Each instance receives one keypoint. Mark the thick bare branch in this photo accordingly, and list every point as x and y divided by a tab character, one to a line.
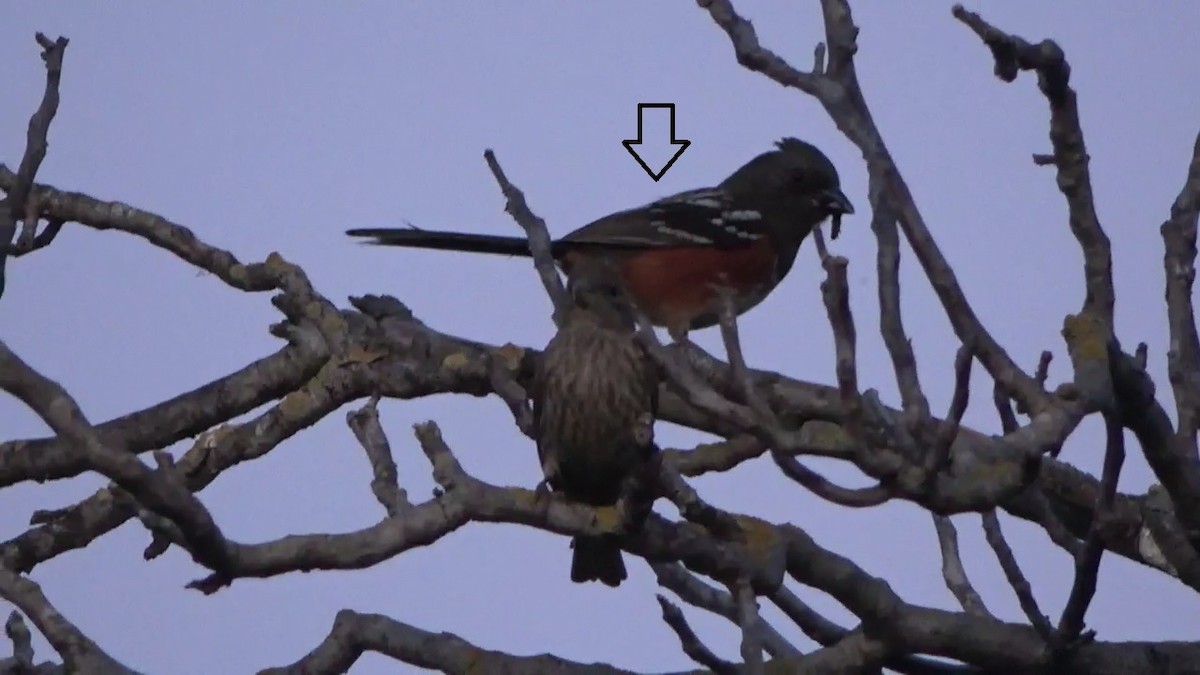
354	633
80	654
1179	261
154	490
1172	458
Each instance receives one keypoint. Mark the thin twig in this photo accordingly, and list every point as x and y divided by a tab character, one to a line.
510	391
691	506
1016	578
817	484
699	594
891	322
836	293
690	642
1013	54
748	619
953	572
25	246
14	205
727	319
535	230
39	125
939	455
1087	563
364	423
22	641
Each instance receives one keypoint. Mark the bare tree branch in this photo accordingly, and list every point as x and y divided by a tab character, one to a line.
80	654
699	594
152	489
354	633
953	572
1016	578
939	456
336	357
749	620
22	639
1179	261
1012	55
691	643
838	91
15	204
364	422
1087	563
819	485
891	323
535	230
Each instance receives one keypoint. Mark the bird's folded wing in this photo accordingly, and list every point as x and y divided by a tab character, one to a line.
700	218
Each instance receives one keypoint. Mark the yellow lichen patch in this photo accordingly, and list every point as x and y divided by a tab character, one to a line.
826	435
608	519
510	355
759	536
1086	336
295	404
332	322
475	661
275	262
363	356
455	361
525	498
238	273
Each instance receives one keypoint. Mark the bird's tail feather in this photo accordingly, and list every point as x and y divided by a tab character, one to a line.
442	240
597	559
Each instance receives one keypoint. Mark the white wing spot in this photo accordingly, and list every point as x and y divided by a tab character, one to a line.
744	214
740	233
681	234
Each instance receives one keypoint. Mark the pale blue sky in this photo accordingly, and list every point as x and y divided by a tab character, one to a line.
274	126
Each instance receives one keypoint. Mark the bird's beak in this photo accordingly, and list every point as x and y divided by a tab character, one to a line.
835	202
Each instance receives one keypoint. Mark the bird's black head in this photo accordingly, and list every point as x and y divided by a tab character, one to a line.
795	178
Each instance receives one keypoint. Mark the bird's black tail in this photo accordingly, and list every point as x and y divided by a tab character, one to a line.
597	559
443	241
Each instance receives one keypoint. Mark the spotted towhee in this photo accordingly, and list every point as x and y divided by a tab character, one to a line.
673	253
595	395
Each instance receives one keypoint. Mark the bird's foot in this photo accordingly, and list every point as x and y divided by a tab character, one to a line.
678	334
541	492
